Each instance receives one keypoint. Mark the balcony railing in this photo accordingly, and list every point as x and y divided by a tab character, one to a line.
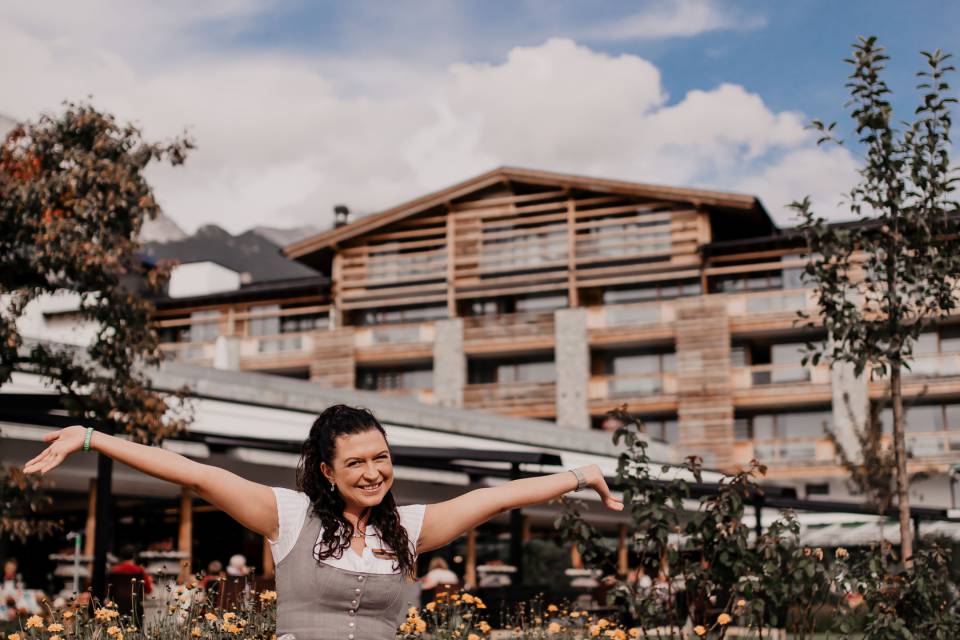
192	352
771	302
935	365
408	334
786	451
762	375
632	385
627	315
509	396
508	327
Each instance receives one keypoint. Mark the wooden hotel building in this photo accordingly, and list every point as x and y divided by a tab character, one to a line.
560	297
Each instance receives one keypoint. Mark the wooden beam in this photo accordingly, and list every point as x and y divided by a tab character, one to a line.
336	311
470	567
623	565
90	530
451	263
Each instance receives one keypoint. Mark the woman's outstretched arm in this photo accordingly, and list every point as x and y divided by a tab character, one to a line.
251	504
444	521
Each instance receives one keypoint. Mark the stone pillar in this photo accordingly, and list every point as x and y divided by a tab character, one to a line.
449	363
850	406
572	357
226	353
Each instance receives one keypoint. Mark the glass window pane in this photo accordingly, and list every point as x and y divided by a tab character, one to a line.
926	343
953	416
789	353
925	418
950	339
741	429
636	364
671	431
668	362
763	427
738	356
808	424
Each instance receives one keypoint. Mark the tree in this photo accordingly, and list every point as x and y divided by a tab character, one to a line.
72	201
882	281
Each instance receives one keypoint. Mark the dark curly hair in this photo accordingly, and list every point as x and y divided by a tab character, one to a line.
327	505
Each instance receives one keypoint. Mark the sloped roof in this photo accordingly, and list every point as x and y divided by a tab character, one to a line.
697	197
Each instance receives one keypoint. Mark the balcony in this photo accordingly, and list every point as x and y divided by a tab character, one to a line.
530	399
636	322
759	384
397	342
787	452
642	392
527	331
931	374
768	310
199	353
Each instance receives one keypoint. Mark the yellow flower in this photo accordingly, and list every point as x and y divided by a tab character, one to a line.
405	628
113	630
468	598
723	618
268	596
13	636
842	553
553	627
105	614
700	630
594	630
210	616
473	636
480	604
54	637
421	626
455	597
441	595
431	606
603	623
55	626
574	614
195	632
412	611
67	614
229	615
635	632
741	603
484	626
552	607
34	622
229	627
616	634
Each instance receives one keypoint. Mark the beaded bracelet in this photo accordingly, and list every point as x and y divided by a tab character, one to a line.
86	439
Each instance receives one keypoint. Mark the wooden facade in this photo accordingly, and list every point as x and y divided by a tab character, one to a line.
690	301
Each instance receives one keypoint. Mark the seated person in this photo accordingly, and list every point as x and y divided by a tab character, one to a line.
439	573
127	567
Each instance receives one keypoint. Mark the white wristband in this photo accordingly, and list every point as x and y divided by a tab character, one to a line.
581	481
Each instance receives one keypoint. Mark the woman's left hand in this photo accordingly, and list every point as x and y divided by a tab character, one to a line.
597	482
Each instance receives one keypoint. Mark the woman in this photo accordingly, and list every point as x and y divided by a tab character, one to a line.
341	546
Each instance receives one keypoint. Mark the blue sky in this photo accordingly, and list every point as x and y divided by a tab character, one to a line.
296	105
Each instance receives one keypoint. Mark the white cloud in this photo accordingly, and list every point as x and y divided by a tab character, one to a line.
283	136
676	18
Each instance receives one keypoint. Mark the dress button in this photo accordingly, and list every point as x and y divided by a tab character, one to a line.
352	612
357	590
351	624
350	637
359	578
353	602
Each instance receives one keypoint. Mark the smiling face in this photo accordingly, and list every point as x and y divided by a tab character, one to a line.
362	469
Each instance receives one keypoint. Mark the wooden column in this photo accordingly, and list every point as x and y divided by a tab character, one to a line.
91	529
527	534
185	537
267	562
623	566
573	298
336	309
451	263
470	570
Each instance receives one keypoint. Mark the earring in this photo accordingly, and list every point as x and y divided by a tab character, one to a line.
333	485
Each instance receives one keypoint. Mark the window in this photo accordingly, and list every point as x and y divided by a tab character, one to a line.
204	326
657	291
371	317
782	425
818	489
267	325
394	378
505	372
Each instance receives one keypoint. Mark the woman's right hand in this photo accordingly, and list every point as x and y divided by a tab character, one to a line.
61	444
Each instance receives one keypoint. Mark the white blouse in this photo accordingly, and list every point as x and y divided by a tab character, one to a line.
292	510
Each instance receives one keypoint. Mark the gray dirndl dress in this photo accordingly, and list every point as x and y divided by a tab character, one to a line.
316	601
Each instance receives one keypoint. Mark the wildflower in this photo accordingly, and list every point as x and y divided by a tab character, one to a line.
484	626
723	619
553	627
34	622
594	630
212	617
741	603
473	636
195	632
105	614
55	626
818	552
412	612
842	553
113	630
405	628
421	625
700	630
441	595
67	614
468	598
574	614
13	636
431	606
616	634
455	597
54	637
635	632
229	615
480	604
268	596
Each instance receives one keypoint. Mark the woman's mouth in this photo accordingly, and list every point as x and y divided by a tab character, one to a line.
371	488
